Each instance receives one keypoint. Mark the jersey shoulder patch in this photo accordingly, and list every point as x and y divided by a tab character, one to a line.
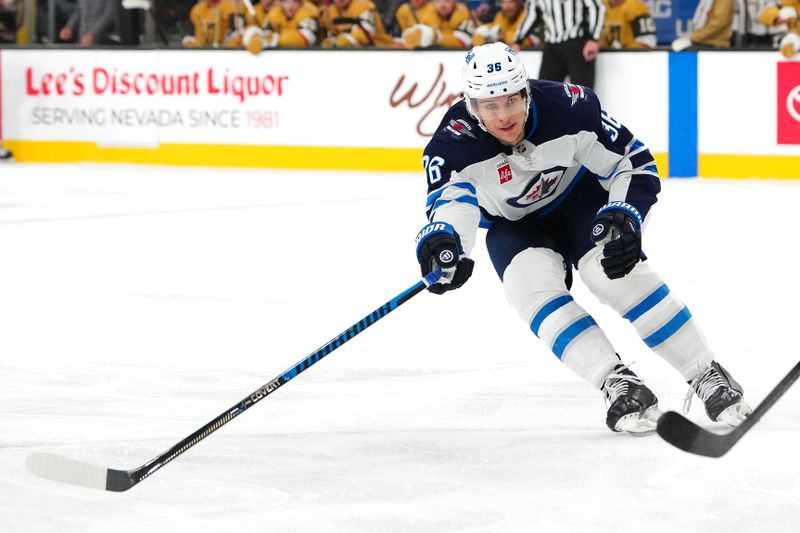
562	109
460	141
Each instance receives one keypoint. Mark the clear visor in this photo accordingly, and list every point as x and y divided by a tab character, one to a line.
500	106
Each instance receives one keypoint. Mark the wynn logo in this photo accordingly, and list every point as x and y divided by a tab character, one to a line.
437	98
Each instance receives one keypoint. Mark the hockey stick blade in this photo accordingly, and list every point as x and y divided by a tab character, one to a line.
689	437
65	470
58	468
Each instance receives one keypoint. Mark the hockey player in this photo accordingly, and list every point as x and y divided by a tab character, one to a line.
505	25
294	23
354	23
444	23
560	185
216	23
628	24
786	14
259	15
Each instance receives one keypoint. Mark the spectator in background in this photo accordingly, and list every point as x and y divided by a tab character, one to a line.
445	23
292	23
259	18
748	30
505	25
91	23
63	11
354	23
407	15
785	15
712	24
628	24
8	22
216	23
571	38
486	11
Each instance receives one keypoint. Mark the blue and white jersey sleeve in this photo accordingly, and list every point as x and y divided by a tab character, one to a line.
452	196
623	164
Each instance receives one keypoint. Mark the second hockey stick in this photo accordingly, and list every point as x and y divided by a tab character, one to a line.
689	437
58	468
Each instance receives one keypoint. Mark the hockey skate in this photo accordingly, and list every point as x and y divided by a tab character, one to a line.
633	407
720	393
5	154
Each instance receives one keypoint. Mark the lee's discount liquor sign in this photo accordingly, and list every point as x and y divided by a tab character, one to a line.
788	103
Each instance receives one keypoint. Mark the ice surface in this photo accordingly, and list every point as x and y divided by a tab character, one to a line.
137	303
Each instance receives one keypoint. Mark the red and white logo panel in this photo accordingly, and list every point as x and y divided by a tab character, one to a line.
788	103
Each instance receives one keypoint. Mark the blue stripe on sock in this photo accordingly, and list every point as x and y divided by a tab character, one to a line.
548	309
569	334
669	329
648	303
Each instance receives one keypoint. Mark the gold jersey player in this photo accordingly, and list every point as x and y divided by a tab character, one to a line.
442	23
354	23
628	24
216	23
291	23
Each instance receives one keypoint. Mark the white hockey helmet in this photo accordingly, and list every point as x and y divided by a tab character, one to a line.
492	70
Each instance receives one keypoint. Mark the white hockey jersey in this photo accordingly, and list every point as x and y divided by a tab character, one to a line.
474	179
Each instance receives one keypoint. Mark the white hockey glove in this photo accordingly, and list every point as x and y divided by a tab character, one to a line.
787	13
421	36
790	45
489	32
681	43
255	39
439	246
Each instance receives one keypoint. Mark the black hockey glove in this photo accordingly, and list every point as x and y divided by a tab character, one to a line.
620	225
439	246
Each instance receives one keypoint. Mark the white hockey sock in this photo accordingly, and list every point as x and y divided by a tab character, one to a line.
534	286
660	318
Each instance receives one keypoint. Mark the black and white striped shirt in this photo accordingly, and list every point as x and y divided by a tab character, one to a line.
564	19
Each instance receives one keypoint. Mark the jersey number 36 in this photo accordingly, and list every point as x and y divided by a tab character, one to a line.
433	168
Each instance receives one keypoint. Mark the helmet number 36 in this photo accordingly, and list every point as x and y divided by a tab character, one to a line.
494	67
433	168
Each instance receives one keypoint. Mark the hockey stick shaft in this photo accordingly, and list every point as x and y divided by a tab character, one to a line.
70	471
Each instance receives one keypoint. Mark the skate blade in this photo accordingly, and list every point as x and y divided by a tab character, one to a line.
735	414
642	425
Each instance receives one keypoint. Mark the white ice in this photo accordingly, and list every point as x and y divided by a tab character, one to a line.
138	303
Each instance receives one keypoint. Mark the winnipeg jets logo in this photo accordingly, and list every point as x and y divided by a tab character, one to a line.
539	187
460	127
575	92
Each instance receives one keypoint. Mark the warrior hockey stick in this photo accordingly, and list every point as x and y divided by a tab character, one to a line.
66	470
689	437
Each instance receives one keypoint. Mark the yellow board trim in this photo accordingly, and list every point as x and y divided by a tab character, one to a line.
782	167
216	155
342	158
662	162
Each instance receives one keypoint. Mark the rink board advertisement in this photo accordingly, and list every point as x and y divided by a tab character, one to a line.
367	110
746	105
287	109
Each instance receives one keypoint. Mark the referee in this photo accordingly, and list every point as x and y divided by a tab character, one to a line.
572	29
